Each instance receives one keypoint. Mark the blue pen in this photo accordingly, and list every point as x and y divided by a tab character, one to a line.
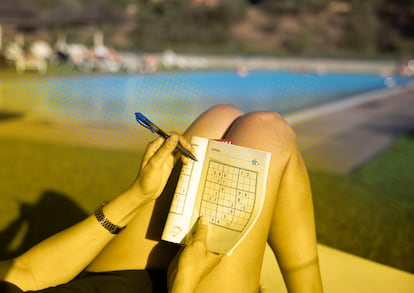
141	119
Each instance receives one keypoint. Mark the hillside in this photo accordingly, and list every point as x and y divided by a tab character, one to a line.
371	28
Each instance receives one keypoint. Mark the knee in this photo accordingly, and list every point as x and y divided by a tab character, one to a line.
265	116
225	110
263	130
271	121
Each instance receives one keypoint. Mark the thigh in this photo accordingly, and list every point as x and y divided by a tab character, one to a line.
240	272
137	281
139	246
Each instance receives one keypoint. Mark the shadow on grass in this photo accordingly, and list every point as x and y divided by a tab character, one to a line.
6	115
51	214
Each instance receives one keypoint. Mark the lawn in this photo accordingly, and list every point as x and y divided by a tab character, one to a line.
371	211
9	72
47	187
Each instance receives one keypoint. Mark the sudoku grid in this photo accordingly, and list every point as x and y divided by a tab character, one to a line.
177	204
229	195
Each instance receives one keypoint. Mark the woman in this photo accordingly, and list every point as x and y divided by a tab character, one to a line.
286	221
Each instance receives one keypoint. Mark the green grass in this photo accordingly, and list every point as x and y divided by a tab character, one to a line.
9	71
46	187
370	212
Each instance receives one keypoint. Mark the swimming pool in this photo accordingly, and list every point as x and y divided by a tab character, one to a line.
184	95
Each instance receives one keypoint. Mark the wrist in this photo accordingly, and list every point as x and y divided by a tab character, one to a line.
135	197
122	208
105	222
138	195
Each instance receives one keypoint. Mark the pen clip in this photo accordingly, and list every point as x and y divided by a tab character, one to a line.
141	119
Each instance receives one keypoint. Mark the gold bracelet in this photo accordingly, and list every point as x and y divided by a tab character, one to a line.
108	225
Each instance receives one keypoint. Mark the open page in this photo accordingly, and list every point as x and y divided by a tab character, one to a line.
229	193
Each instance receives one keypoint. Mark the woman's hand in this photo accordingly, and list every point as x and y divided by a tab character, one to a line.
157	164
194	263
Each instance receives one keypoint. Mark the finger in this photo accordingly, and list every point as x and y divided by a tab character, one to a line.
185	143
187	146
184	159
152	148
202	230
165	150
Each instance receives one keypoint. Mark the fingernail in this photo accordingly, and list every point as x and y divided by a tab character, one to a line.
173	139
203	220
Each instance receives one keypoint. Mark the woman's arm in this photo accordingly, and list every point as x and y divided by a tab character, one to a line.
61	257
292	233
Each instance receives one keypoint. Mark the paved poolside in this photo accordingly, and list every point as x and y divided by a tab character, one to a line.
342	136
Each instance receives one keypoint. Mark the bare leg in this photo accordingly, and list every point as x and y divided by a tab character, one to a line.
138	246
286	220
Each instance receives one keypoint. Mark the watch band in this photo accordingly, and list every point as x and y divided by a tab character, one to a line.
108	225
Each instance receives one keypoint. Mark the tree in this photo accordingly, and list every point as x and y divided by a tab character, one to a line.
179	23
361	31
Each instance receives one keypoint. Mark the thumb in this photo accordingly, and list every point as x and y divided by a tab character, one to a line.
201	230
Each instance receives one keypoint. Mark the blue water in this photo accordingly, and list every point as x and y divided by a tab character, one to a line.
185	95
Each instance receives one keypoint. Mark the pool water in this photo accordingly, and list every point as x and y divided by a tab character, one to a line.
184	95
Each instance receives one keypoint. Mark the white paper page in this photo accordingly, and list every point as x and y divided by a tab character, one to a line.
179	218
231	193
